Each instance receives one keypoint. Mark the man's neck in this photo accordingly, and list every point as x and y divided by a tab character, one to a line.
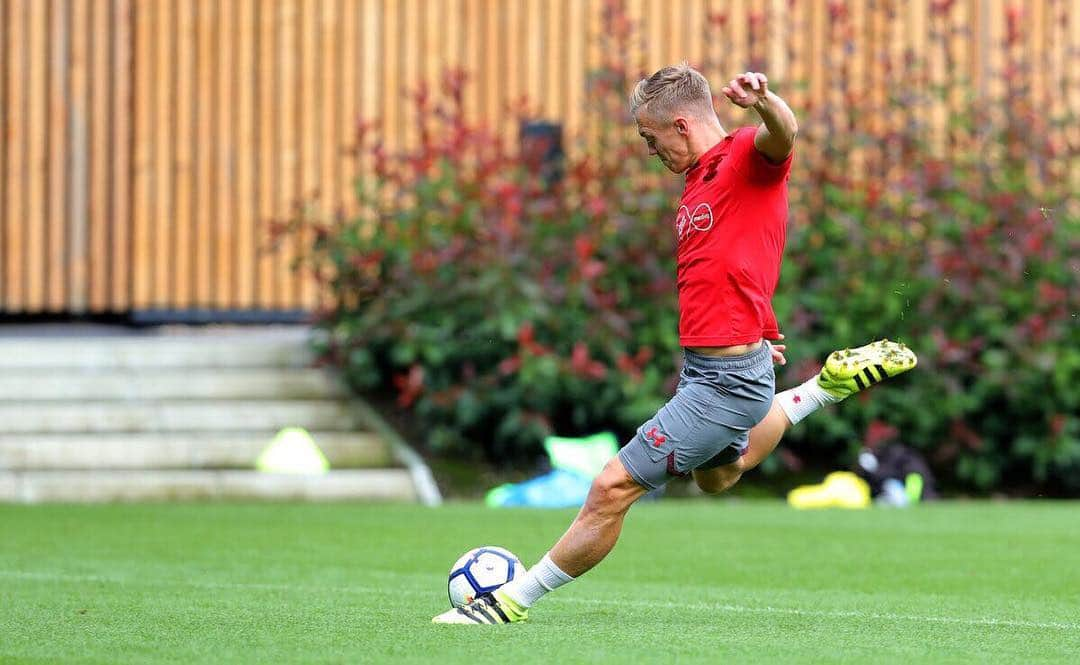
709	137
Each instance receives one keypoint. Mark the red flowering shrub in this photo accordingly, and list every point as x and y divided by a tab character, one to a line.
970	254
499	310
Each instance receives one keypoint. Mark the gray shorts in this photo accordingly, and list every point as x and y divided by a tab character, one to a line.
707	423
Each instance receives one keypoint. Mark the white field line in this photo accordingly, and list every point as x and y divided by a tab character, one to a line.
708	607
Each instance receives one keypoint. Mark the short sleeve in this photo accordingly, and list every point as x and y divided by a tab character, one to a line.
755	166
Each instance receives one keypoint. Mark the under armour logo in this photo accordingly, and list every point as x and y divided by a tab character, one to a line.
657	438
796	399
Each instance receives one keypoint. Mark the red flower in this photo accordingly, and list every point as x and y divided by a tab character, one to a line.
878	432
510	365
584	248
409	385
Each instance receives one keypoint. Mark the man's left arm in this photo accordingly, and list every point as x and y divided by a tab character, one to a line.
775	138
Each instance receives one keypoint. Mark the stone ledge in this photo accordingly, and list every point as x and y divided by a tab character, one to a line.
140	352
168	383
208	450
176	416
106	486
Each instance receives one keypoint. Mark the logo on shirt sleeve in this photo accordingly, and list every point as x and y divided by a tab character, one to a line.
701	220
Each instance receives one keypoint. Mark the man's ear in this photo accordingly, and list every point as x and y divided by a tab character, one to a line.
682	126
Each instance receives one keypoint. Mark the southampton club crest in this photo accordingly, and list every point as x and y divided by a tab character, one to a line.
687	222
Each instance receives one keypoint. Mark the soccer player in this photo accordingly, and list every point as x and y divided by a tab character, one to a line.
724	418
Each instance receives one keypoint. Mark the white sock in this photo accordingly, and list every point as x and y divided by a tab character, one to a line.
543	577
803	400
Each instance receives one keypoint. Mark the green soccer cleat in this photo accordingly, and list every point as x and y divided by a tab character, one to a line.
851	370
485	609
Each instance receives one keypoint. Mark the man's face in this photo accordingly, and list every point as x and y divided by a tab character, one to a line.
666	140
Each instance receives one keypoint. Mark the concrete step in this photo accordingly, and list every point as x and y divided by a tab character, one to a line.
96	486
168	383
206	450
154	352
186	416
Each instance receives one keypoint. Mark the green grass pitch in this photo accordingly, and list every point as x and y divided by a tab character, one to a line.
690	582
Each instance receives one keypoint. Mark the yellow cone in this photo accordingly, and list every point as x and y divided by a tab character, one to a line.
841	489
292	451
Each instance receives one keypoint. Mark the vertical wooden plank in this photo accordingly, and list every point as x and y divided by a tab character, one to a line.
1035	48
16	17
330	94
143	208
994	32
310	94
57	211
818	44
1059	80
224	221
695	36
975	47
531	50
554	86
5	26
78	163
432	32
653	30
288	120
452	29
1073	49
594	58
360	43
739	34
798	57
489	79
472	40
332	149
38	167
412	52
247	157
857	84
188	103
391	71
164	216
269	149
934	53
101	35
632	59
674	27
205	203
778	29
563	38
575	74
123	74
878	53
958	75
512	84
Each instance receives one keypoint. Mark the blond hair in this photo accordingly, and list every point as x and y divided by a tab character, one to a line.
673	89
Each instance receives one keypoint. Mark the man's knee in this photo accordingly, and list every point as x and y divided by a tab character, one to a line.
614	490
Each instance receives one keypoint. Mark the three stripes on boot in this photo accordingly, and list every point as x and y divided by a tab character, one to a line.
882	375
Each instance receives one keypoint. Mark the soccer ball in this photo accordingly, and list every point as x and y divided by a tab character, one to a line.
481	570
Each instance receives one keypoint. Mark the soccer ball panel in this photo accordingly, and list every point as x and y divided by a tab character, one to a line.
479	571
490	569
461	591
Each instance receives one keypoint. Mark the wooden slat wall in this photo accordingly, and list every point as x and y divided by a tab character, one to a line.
147	145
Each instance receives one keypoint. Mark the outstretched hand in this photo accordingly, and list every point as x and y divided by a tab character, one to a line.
778	352
747	89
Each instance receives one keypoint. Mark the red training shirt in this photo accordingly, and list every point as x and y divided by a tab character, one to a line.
731	231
